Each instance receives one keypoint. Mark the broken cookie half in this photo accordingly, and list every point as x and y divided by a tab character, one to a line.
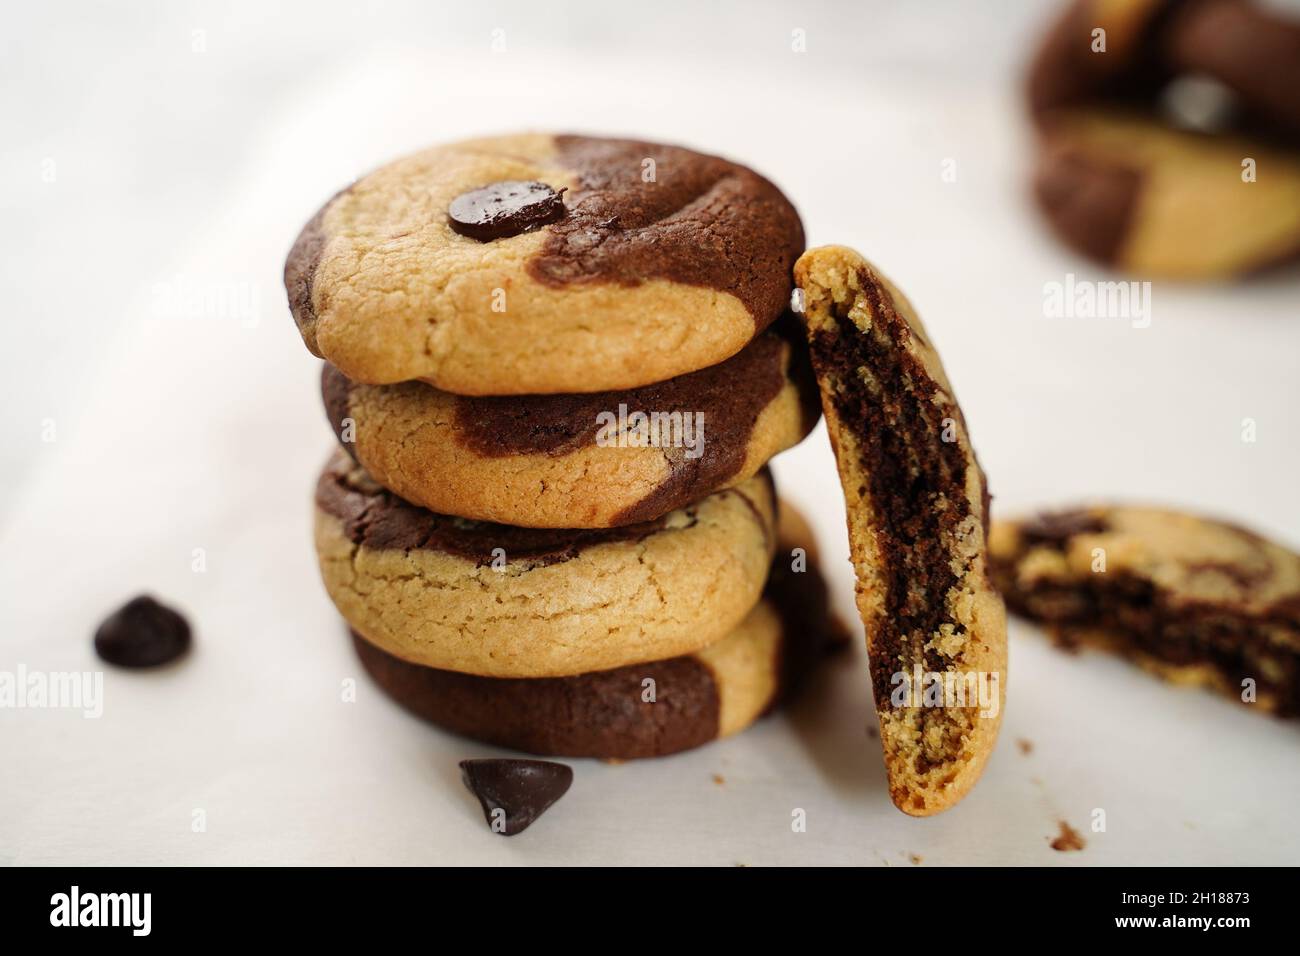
918	525
1191	599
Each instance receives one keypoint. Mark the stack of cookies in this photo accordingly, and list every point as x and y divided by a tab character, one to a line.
557	367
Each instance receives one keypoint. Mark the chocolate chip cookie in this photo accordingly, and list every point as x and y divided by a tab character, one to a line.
1193	600
917	516
542	264
1175	149
580	461
500	601
640	710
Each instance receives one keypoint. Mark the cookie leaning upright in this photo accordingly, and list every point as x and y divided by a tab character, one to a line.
917	513
540	263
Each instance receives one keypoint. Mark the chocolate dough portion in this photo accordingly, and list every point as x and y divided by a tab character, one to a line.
601	714
1089	198
300	265
336	390
377	518
809	629
908	469
1066	72
730	396
1230	614
648	211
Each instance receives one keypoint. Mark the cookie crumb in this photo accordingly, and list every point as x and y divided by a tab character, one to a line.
916	859
1026	746
719	779
1068	840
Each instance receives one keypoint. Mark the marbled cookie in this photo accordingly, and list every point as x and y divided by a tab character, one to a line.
577	461
1175	151
1194	600
542	263
917	512
1154	200
500	601
639	710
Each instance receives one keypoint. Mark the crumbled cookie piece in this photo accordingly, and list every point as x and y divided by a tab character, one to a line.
1191	599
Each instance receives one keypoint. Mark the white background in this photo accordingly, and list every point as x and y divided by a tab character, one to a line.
141	158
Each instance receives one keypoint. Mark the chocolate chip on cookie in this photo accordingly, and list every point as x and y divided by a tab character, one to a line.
142	633
1191	599
514	793
917	513
504	209
658	261
639	710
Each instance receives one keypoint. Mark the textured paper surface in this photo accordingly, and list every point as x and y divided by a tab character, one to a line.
205	431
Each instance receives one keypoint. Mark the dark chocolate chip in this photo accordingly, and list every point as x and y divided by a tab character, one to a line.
1059	526
514	793
142	633
505	209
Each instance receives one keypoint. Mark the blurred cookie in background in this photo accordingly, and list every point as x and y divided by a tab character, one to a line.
1169	135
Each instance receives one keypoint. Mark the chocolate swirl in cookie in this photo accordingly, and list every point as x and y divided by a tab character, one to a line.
1193	599
917	505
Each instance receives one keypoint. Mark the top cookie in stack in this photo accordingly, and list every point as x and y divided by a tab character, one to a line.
542	264
559	365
